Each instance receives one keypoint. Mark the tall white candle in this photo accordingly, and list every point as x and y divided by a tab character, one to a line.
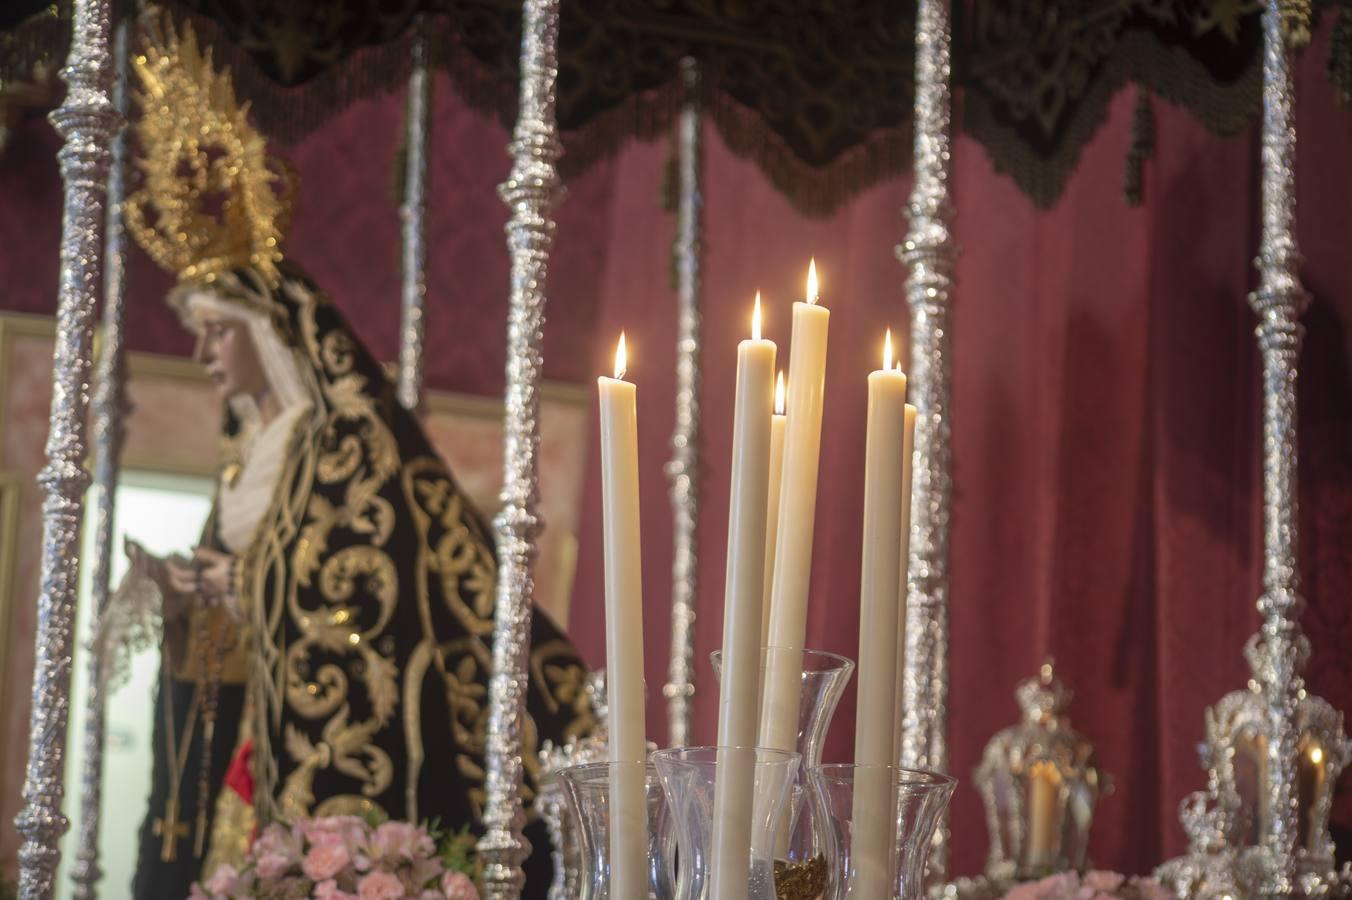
624	629
777	422
880	569
797	511
907	467
744	587
880	573
738	694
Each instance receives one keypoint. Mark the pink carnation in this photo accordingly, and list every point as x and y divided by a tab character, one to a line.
458	886
1027	891
424	872
401	840
1096	885
278	840
1150	889
225	881
273	865
1100	880
380	886
328	890
326	859
348	829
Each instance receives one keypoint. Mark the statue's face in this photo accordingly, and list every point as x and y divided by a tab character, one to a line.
231	360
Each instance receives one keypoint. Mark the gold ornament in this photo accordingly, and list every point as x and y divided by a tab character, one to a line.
212	198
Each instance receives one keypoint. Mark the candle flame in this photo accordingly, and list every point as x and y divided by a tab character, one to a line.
812	281
887	351
1316	755
779	394
621	358
756	320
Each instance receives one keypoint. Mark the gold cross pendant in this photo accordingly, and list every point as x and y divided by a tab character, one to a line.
171	830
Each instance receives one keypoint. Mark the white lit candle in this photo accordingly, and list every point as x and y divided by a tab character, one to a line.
873	810
777	422
747	507
907	454
797	511
738	694
880	570
624	629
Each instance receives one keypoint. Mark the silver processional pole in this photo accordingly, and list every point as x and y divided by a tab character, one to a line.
530	192
87	120
413	220
110	409
683	469
929	255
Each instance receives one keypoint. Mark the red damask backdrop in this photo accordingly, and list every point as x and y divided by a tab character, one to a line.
1105	411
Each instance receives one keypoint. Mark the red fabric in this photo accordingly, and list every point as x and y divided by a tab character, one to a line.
1106	429
239	777
1106	437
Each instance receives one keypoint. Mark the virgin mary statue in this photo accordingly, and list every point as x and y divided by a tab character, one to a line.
327	646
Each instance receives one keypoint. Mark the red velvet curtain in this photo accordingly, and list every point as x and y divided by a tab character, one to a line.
1106	436
1105	410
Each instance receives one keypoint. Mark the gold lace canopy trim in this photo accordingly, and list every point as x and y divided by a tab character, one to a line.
818	95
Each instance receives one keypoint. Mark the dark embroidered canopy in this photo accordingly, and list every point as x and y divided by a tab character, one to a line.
817	92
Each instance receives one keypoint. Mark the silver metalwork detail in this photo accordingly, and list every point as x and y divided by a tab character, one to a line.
1042	747
1274	720
683	469
1279	302
110	410
550	800
86	120
413	221
929	254
529	191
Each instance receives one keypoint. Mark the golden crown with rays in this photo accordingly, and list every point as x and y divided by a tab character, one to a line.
211	199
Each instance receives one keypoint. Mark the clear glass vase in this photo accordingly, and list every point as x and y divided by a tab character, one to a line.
803	856
865	863
592	790
689	777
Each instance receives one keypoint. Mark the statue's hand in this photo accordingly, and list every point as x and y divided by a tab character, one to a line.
144	563
216	579
180	588
170	574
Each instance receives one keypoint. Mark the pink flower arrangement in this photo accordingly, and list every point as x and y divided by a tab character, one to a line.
1095	885
344	858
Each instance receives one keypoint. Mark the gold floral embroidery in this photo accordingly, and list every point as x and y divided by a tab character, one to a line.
561	678
351	805
414	673
465	663
336	351
326	582
338	583
342	462
321	693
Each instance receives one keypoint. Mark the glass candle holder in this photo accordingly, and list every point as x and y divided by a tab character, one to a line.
867	865
592	791
802	850
689	777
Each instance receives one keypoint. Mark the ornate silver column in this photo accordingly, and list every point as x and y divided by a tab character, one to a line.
529	191
87	121
110	408
1274	713
929	255
412	218
1279	302
683	469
